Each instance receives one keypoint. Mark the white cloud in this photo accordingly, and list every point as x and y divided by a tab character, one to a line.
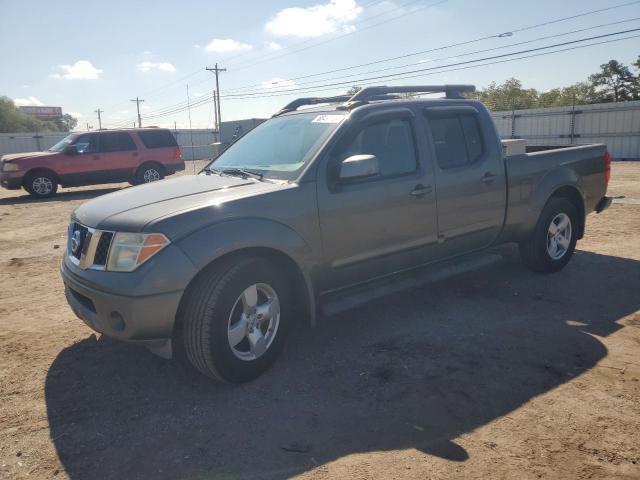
276	82
28	101
159	66
316	20
226	45
76	114
81	70
273	46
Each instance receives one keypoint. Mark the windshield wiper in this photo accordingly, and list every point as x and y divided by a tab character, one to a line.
244	173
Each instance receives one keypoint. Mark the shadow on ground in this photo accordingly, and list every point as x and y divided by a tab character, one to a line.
412	371
60	196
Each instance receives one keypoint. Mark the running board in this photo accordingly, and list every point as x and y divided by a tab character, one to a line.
340	301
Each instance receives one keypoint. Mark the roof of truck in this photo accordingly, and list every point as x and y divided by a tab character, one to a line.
370	95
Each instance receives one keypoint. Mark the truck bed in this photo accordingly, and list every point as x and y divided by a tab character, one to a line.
533	177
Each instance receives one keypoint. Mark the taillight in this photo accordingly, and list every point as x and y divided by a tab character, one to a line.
607	166
177	154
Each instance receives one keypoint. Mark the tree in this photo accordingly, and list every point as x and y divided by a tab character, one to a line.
509	95
579	94
66	123
615	82
353	90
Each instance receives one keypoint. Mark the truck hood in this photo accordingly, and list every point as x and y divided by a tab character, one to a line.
21	156
132	209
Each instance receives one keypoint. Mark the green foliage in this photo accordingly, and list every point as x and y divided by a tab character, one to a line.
12	119
353	90
615	82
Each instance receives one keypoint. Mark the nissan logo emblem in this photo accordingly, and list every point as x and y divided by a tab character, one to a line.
75	242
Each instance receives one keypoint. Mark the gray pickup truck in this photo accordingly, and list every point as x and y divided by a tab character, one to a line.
317	202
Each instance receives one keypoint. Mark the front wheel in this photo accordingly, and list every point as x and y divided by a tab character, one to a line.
41	184
553	241
235	319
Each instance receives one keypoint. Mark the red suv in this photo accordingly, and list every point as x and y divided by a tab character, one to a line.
106	156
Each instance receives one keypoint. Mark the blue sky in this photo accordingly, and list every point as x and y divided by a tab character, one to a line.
84	55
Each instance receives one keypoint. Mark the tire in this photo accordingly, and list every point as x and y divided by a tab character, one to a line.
147	173
214	317
538	252
41	184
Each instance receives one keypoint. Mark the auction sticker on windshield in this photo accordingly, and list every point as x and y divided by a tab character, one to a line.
328	119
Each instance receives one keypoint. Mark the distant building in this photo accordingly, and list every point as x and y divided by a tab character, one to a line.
43	113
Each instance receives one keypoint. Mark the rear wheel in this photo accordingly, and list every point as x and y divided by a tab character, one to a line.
41	184
235	319
553	241
147	173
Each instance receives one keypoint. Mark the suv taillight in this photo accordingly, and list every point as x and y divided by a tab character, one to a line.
607	166
177	154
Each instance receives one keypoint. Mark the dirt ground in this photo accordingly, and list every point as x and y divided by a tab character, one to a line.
496	373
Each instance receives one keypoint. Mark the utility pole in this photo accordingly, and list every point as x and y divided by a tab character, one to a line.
217	70
138	100
98	111
216	127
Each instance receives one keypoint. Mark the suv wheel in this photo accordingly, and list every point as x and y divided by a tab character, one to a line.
148	173
236	318
41	184
554	239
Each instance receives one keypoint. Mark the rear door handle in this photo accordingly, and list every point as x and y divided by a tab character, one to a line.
488	177
420	190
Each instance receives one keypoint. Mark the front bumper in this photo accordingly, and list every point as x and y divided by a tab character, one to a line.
145	319
11	180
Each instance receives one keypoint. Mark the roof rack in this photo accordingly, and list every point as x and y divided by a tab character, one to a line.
451	91
369	94
299	102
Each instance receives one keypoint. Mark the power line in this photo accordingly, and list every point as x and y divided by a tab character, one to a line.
172	108
421	73
240	89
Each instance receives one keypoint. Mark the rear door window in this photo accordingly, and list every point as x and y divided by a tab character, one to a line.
116	142
158	139
457	140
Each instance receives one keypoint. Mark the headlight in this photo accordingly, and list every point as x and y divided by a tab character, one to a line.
130	250
9	167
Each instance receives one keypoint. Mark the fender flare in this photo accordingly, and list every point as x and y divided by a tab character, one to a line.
211	243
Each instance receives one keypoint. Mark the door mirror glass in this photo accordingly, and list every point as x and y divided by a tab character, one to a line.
70	150
358	167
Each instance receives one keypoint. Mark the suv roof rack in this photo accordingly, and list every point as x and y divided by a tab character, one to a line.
369	94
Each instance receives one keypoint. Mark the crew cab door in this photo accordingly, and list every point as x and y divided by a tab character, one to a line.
377	225
86	166
470	179
120	155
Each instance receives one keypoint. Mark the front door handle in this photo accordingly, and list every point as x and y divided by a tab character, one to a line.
420	190
488	177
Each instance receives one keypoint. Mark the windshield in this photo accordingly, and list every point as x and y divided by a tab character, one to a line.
62	144
280	147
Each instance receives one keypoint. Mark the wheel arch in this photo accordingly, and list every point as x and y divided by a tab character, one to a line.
155	163
573	195
36	170
300	282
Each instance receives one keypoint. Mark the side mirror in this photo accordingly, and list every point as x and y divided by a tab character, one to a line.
359	166
70	150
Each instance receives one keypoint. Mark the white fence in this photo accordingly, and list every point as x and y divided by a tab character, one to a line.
195	144
615	124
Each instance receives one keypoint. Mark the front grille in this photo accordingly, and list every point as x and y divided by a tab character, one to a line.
102	250
88	247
